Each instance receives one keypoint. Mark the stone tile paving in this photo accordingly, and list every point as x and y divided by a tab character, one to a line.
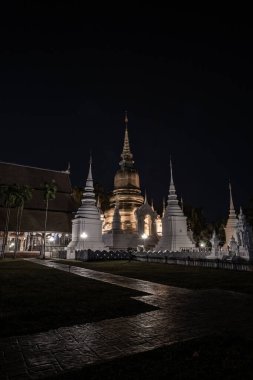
182	314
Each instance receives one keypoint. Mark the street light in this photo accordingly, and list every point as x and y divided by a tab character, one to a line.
144	237
83	236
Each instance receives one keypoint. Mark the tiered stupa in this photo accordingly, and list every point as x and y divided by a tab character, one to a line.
87	224
175	236
127	194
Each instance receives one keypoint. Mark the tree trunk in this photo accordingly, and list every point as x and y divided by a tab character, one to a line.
6	230
17	234
45	230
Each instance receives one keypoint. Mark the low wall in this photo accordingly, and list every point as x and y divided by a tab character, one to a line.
99	256
201	262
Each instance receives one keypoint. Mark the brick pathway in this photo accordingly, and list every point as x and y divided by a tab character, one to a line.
182	314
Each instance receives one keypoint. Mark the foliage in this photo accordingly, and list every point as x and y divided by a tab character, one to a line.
49	193
23	194
249	212
100	194
13	196
77	194
103	196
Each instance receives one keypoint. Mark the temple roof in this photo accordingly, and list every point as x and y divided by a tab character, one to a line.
35	177
60	209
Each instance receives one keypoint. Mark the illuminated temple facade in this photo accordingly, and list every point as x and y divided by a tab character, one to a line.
129	216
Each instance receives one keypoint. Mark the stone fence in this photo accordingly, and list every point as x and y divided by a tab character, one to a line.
201	262
197	258
101	255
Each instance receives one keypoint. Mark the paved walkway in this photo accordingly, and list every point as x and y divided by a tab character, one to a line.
182	314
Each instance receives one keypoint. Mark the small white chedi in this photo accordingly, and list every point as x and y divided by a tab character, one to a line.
87	224
239	237
175	236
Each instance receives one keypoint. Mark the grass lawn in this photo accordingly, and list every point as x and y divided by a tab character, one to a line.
211	357
34	298
175	275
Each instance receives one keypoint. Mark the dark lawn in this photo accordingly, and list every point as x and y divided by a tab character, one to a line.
176	275
34	298
211	357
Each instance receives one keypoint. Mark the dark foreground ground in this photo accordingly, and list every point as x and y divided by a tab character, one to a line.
212	357
35	298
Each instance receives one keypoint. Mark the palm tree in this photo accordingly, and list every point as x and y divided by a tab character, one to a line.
8	197
49	192
23	194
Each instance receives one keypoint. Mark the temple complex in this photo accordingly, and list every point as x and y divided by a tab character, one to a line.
130	221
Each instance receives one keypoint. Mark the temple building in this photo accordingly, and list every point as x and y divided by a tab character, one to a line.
32	225
175	236
87	224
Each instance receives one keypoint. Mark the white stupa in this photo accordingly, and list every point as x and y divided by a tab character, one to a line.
175	236
244	237
87	224
230	229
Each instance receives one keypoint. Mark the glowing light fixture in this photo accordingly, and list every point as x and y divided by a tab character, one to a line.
83	235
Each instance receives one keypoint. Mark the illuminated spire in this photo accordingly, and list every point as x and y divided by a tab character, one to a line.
126	118
126	155
172	190
182	204
172	204
88	209
152	205
171	175
145	199
89	182
231	206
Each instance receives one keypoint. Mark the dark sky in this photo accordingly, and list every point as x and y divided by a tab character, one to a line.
67	76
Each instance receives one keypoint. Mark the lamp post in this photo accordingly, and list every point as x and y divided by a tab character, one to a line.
144	237
84	237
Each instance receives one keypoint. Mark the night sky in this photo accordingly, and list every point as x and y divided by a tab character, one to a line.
67	76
